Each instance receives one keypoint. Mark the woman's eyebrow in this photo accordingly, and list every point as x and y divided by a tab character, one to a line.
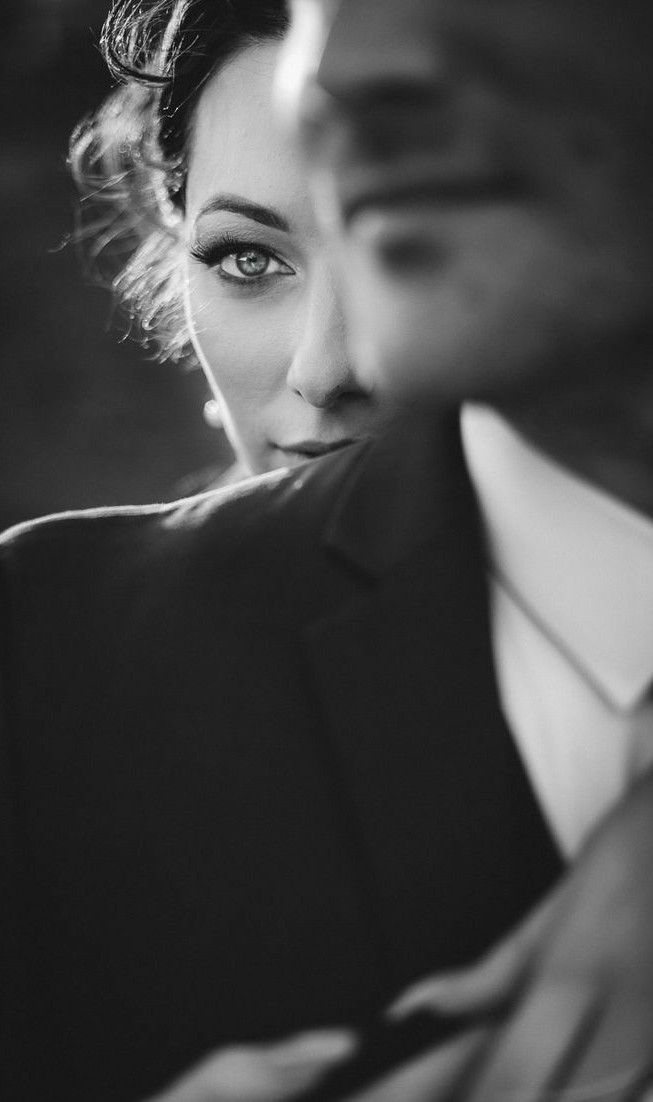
266	216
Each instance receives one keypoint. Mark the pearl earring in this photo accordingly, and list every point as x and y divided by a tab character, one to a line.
212	414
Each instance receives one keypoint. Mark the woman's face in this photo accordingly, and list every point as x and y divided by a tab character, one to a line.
262	308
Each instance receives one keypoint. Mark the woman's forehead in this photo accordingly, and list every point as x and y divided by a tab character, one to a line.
238	145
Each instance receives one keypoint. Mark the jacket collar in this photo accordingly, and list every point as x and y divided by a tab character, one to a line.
409	487
403	672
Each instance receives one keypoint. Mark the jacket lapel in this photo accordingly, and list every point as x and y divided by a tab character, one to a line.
452	848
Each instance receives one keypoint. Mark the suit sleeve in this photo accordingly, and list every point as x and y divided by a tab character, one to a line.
7	803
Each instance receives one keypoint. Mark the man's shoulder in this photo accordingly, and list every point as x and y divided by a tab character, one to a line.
261	514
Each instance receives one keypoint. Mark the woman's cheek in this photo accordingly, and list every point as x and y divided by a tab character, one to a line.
245	344
222	330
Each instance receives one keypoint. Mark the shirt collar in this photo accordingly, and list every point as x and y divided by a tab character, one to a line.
579	561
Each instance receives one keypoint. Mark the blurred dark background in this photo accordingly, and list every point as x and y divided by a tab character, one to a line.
86	418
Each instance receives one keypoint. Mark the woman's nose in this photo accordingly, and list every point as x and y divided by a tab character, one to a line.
321	371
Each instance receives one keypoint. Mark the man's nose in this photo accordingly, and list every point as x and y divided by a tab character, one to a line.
320	370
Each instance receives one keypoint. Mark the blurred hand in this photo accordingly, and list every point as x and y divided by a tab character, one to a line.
570	993
262	1073
564	1004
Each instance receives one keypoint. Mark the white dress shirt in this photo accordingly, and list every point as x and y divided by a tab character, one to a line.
572	619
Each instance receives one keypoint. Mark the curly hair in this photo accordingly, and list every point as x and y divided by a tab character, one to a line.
129	157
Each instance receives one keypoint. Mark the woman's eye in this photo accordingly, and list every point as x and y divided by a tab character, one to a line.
251	264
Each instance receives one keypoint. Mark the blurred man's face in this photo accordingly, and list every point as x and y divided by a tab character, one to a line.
481	168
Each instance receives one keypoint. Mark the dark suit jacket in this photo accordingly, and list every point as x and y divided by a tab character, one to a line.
255	775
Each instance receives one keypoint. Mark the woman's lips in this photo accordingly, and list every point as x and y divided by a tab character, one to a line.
310	449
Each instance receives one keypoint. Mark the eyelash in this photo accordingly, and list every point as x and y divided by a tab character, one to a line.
215	252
